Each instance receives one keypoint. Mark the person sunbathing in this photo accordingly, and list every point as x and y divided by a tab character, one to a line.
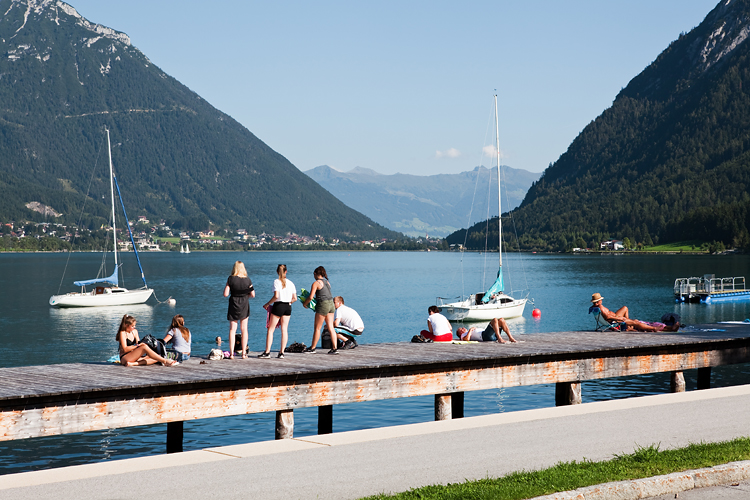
622	315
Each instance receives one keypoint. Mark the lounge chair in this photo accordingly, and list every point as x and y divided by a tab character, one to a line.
602	325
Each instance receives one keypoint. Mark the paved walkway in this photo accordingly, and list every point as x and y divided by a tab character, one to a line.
355	464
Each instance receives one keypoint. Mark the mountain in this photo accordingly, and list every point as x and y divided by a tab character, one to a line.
417	205
63	79
668	161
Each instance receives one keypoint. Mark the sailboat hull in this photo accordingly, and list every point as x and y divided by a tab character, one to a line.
110	296
468	310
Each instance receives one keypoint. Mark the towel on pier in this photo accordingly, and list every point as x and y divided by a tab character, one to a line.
114	359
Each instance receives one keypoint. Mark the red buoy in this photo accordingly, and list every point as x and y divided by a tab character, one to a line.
536	313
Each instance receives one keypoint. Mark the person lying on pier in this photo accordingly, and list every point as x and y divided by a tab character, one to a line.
490	334
622	315
347	323
132	352
439	329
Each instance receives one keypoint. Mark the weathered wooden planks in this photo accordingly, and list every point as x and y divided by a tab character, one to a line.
58	399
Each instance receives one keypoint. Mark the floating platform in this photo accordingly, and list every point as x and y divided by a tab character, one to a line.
709	289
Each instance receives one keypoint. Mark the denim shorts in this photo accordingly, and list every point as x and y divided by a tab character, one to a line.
177	355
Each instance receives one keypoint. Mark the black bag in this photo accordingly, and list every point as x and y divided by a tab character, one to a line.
156	345
150	341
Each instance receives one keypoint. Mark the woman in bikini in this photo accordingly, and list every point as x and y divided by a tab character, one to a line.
132	352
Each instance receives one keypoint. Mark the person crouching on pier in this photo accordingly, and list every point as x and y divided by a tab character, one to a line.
132	352
490	334
324	308
439	329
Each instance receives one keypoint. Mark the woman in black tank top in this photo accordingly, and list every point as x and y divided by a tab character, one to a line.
324	309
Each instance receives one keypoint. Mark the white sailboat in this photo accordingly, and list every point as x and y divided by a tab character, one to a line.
106	290
494	303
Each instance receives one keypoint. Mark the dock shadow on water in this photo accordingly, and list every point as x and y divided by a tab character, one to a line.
391	291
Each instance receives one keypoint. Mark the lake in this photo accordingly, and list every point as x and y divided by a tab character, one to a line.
390	290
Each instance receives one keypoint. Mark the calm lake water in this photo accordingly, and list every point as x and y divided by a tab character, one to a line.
391	291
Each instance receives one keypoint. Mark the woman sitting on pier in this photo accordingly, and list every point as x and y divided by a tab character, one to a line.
439	329
180	337
132	352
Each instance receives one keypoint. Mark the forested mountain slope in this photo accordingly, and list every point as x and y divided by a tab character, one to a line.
668	161
423	204
64	79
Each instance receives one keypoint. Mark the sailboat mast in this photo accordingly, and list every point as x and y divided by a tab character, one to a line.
499	207
112	195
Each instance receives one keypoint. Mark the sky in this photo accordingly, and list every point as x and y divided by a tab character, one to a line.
404	86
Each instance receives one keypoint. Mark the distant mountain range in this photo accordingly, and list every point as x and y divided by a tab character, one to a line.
63	79
417	205
668	161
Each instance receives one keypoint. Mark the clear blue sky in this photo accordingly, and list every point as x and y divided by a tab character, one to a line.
404	86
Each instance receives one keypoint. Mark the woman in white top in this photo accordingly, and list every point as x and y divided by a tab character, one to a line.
439	328
280	308
180	337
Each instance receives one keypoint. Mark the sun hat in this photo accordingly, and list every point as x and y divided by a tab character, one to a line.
596	297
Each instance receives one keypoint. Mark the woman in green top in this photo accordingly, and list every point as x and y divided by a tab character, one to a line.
324	308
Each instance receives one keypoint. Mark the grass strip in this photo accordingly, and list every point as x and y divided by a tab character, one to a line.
644	462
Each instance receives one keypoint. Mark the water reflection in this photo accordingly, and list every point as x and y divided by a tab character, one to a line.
391	291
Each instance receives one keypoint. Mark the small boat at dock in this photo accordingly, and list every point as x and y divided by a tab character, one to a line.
709	289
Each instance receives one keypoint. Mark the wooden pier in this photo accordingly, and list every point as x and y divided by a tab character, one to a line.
49	400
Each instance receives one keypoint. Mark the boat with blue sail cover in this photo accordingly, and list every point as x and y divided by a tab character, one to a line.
105	289
495	302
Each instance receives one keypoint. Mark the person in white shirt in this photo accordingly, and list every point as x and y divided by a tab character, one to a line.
347	323
280	310
490	334
439	328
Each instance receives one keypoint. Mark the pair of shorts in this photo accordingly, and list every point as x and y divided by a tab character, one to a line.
281	309
488	335
324	307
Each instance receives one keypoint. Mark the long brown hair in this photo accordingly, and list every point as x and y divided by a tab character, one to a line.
281	271
239	270
178	322
127	320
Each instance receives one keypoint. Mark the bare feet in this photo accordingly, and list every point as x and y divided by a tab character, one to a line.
501	341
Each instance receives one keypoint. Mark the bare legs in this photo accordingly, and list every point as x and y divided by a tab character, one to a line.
319	319
243	339
243	329
623	311
232	329
284	332
133	358
500	324
328	320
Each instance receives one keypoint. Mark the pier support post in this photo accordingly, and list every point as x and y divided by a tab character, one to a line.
567	393
325	419
284	424
677	382
704	378
457	405
174	437
442	407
